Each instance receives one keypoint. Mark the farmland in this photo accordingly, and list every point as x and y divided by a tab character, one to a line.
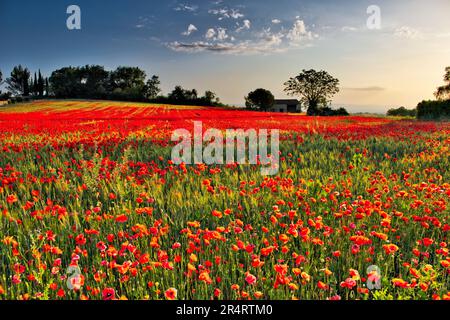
90	187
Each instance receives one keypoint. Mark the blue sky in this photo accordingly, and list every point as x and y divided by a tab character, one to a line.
234	46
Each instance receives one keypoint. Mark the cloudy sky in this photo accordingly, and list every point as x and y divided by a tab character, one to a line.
234	46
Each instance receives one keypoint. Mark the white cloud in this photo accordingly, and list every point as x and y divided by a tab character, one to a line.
349	29
219	34
407	33
299	32
186	7
243	47
247	25
144	22
218	40
226	13
235	14
222	34
274	39
276	21
210	34
190	30
271	38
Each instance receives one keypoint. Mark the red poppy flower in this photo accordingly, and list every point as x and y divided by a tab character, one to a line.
349	283
61	293
80	240
108	294
321	285
122	218
390	248
171	294
249	278
11	199
427	242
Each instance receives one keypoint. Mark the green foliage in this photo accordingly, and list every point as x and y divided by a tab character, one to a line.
122	84
179	198
327	112
94	82
402	112
18	82
314	88
125	78
180	96
40	85
443	92
152	89
261	99
433	110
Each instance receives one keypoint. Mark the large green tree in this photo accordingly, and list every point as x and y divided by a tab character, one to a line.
94	80
180	95
314	88
261	99
128	83
128	78
152	88
66	82
19	81
443	92
89	81
210	98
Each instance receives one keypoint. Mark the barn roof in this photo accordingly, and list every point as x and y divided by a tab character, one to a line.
287	101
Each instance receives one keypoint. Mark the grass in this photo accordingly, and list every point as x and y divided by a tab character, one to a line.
107	200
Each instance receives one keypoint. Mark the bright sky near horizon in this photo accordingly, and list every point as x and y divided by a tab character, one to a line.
234	46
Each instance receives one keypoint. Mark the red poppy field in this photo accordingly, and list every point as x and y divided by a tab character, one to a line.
92	207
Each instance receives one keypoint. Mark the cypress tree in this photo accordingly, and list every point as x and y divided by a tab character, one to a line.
40	85
26	87
47	87
34	85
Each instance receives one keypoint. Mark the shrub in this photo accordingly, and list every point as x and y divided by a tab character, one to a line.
402	112
5	96
328	112
433	110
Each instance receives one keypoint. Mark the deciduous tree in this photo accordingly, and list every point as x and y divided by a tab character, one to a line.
261	99
443	92
315	89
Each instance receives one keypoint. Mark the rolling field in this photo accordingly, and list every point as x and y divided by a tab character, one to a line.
92	207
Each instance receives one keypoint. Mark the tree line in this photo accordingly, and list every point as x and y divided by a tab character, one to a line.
20	82
430	109
94	82
314	89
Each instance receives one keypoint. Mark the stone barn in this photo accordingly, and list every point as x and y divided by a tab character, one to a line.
287	106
